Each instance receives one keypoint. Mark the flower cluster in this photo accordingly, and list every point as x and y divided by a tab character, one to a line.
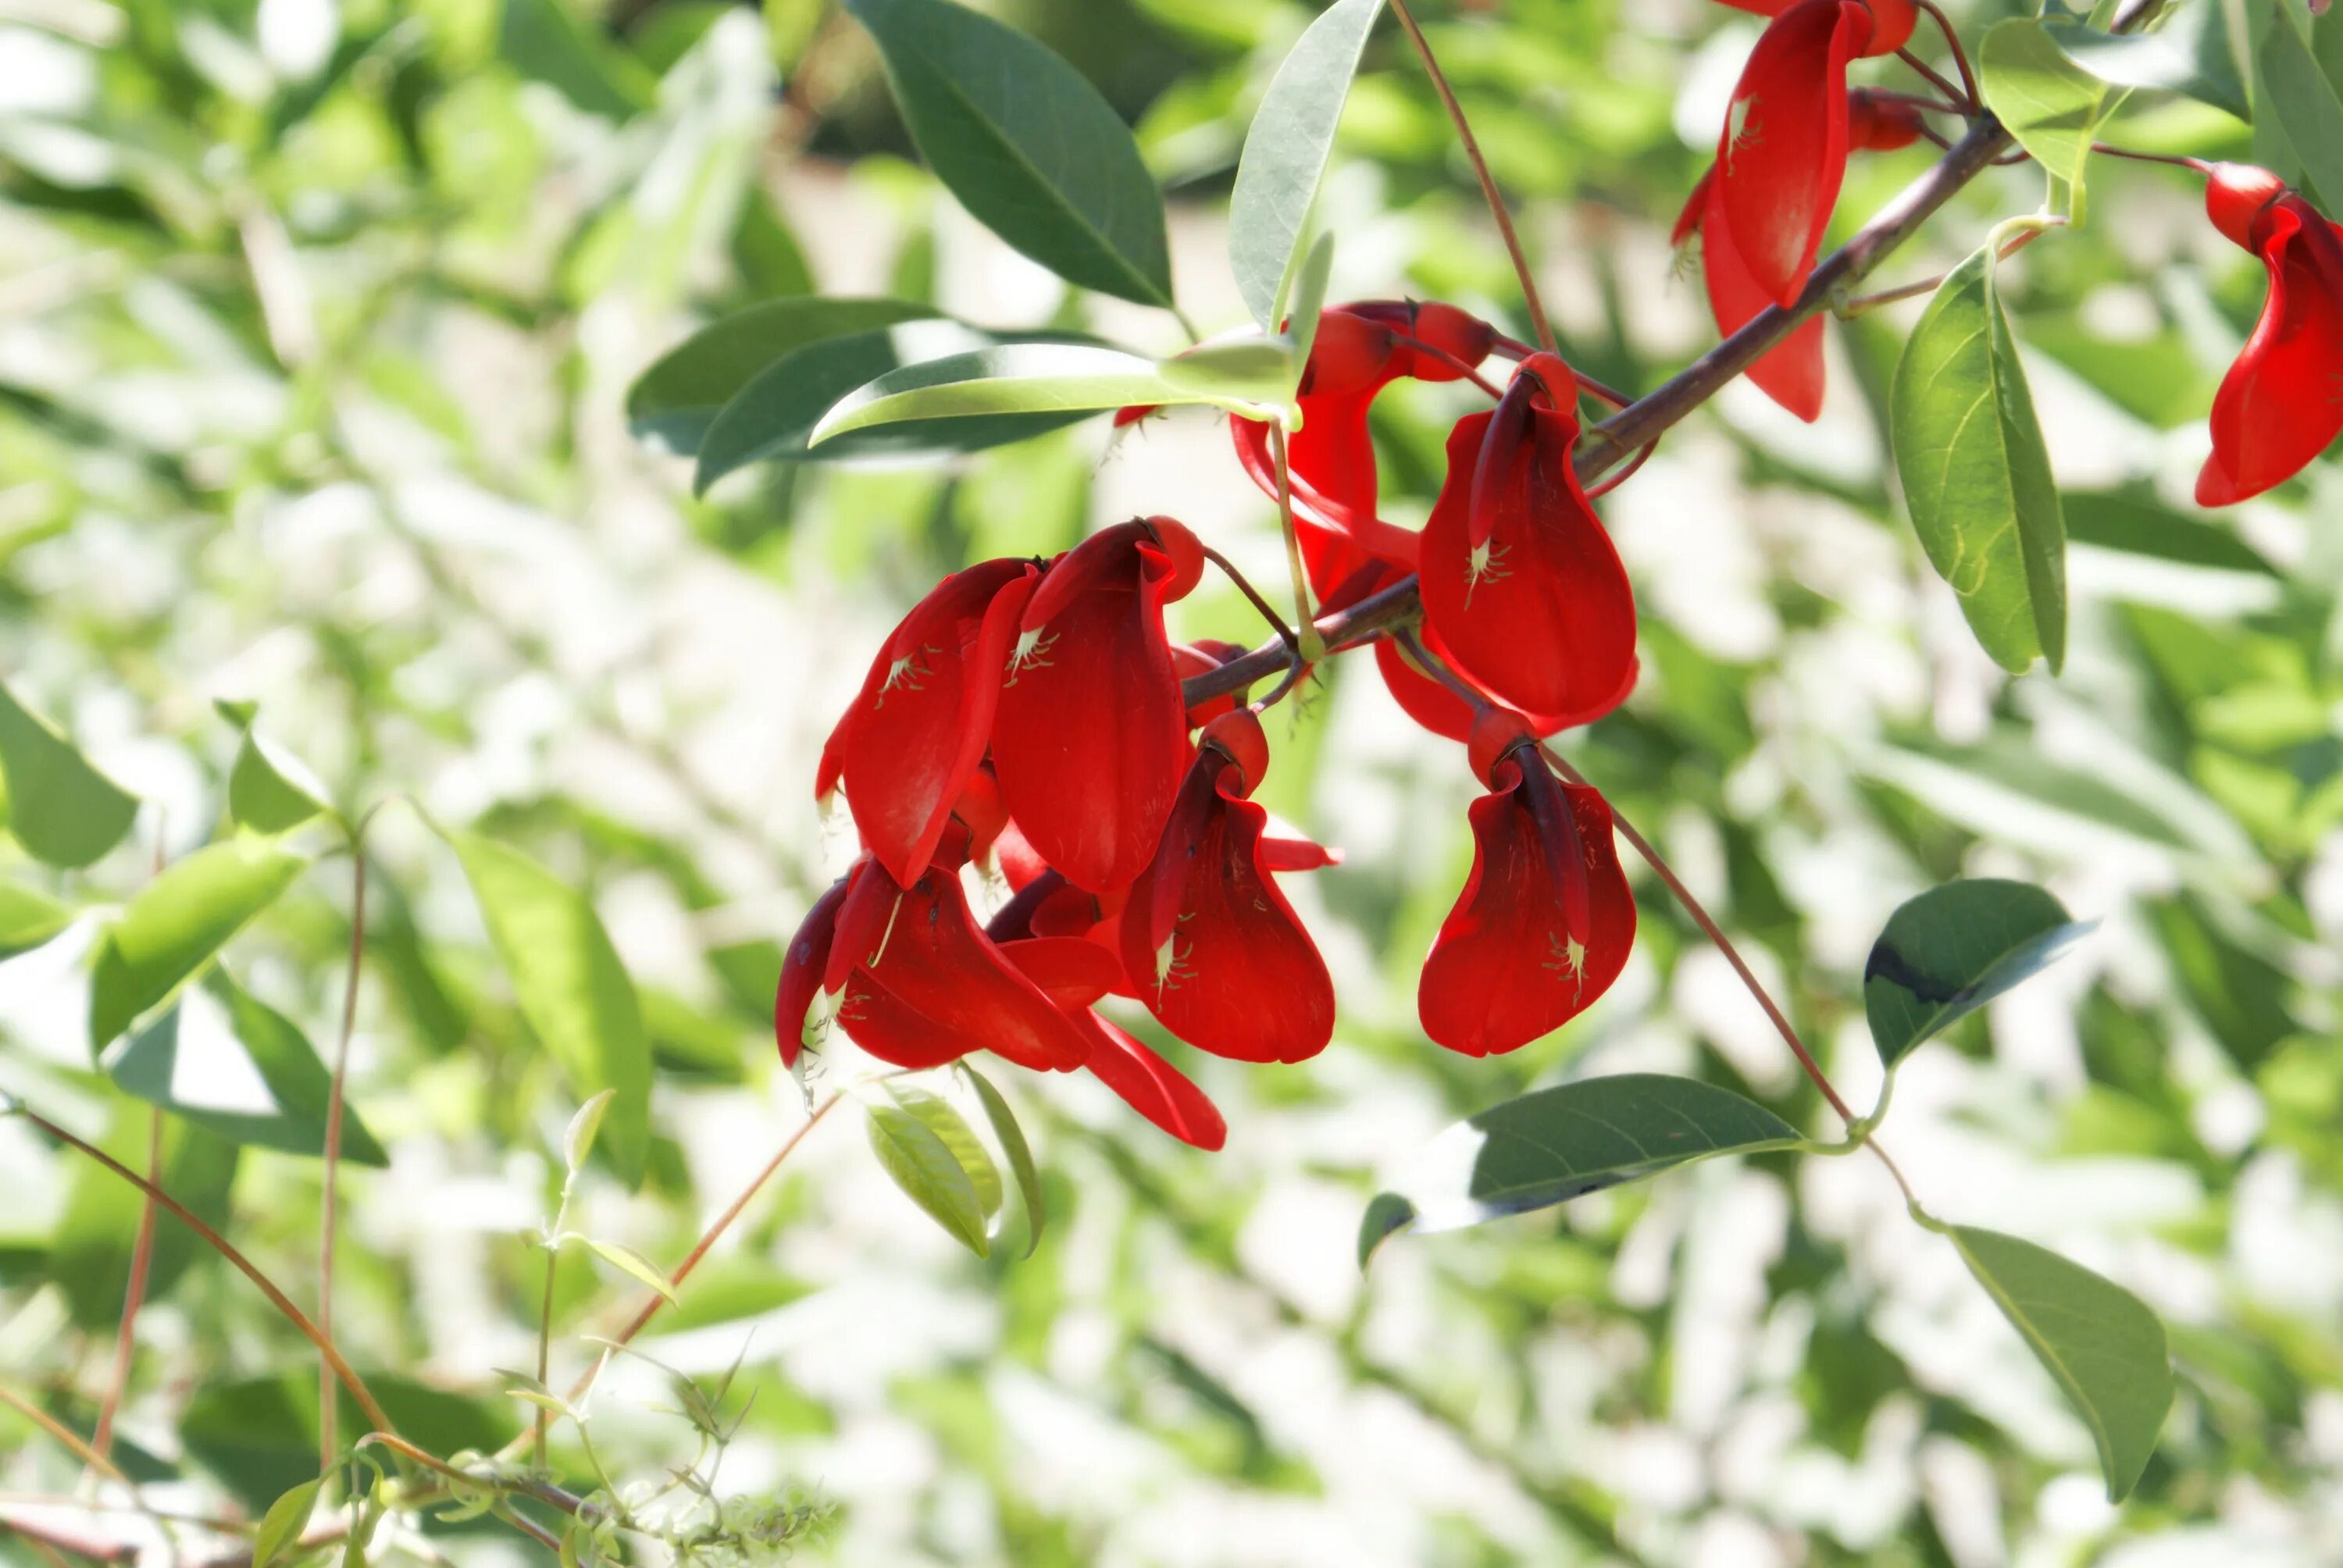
1029	716
2281	403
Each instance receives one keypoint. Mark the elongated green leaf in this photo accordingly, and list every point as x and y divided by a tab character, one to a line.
626	1261
924	1166
235	1067
1285	153
61	809
97	1229
1953	949
270	791
545	42
1968	450
28	918
178	925
676	400
2300	101
1051	378
572	989
2193	53
577	1138
772	417
2050	103
959	1137
2100	1341
1027	144
283	1523
1556	1144
1012	1138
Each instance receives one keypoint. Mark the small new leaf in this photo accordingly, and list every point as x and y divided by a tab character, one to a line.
626	1260
577	1139
282	1525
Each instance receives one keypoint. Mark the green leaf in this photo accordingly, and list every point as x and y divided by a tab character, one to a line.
270	791
282	1525
2101	1343
2301	98
626	1261
2048	101
1029	146
259	1435
772	417
28	918
1012	1138
947	1124
577	1138
1285	153
570	987
1947	952
62	809
178	924
1050	378
97	1231
676	400
1556	1144
2194	54
1308	300
1968	450
235	1067
544	42
924	1166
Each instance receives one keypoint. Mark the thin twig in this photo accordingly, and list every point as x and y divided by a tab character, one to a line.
1848	310
327	1405
1537	307
2177	160
66	1437
134	1294
1928	74
1960	56
1253	597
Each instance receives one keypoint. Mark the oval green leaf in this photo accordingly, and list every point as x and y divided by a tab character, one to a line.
1969	453
629	1262
270	790
1045	378
2050	103
28	918
62	809
676	400
1020	1154
923	1165
2101	1343
1951	950
2192	55
772	418
178	924
1285	153
959	1138
1029	146
570	987
282	1525
1556	1144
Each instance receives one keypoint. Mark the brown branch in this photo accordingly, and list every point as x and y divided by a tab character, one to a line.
328	1410
66	1436
134	1294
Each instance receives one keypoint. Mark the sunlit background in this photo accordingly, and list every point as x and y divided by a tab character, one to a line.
316	325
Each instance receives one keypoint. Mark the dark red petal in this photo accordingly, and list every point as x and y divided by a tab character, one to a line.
893	1031
1236	975
1791	372
1542	617
1784	150
1880	124
2282	402
802	968
917	731
1151	1085
1071	972
1348	510
1502	972
1091	736
934	960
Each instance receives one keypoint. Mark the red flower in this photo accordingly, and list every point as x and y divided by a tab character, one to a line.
1544	921
2282	402
1520	585
1151	1085
1090	735
1216	953
910	744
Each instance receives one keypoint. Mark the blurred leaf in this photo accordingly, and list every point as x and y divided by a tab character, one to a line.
772	418
1027	144
259	1435
246	1073
1020	1154
179	923
1285	153
1953	949
571	988
97	1229
2051	105
61	809
676	400
28	918
545	42
282	1525
2100	1341
1556	1144
2141	526
930	1172
1968	450
269	791
626	1261
577	1138
2191	54
2301	101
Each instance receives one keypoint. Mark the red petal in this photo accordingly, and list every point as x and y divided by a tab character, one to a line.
1547	620
893	1031
1071	972
1237	976
2282	402
1297	855
1332	512
1091	736
1500	974
1894	20
801	971
1784	150
1791	372
917	731
1151	1085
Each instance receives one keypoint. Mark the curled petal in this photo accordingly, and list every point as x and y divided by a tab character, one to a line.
2281	404
1334	488
802	968
1783	149
1151	1085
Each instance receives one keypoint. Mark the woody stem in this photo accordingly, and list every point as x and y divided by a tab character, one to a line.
1472	147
